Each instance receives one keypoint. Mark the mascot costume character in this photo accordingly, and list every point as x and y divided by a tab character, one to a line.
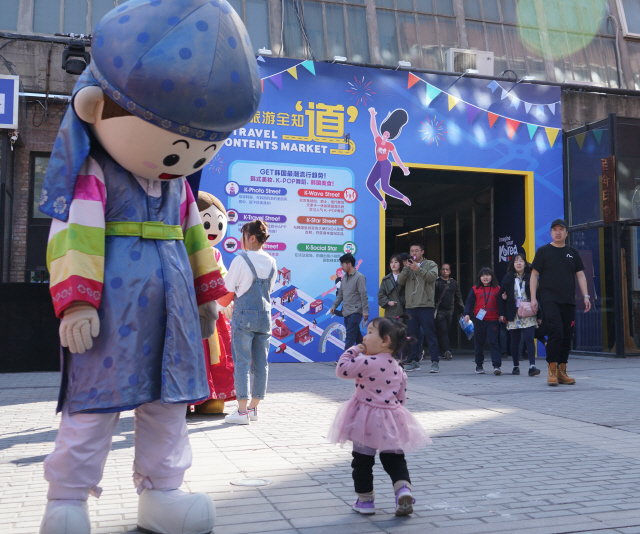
217	349
133	278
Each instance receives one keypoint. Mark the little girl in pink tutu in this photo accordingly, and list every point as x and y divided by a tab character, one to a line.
375	418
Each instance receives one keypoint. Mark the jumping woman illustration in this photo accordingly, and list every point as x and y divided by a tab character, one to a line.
391	127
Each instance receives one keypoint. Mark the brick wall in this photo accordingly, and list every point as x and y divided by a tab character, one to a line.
37	139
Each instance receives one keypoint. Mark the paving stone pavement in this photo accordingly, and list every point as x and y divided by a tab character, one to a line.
509	454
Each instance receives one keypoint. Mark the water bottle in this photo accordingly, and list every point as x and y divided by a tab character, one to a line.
467	328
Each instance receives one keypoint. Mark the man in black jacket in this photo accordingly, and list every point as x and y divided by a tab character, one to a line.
447	298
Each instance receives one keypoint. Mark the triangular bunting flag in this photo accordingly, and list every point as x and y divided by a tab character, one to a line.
515	102
452	102
432	92
598	135
472	112
540	110
413	79
277	80
552	107
512	126
532	130
527	106
552	133
493	86
492	119
260	58
309	66
504	94
293	71
580	139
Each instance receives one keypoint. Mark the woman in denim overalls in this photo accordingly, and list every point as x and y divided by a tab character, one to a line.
251	320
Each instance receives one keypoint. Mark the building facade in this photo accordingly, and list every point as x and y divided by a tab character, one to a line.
592	47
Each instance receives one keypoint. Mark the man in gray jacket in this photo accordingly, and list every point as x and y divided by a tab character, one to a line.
419	277
352	293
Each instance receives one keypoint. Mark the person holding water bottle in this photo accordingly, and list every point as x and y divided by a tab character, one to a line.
482	303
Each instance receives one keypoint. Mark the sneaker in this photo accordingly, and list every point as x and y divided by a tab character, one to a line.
366	508
497	371
435	367
534	371
404	501
516	371
253	414
479	370
448	355
237	418
413	366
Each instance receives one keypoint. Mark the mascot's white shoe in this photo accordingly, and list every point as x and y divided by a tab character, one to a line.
66	517
175	512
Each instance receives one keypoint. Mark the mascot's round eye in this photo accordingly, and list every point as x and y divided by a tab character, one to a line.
220	225
207	225
199	163
171	160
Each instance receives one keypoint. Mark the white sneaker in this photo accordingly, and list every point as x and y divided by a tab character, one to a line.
253	414
175	512
237	418
65	517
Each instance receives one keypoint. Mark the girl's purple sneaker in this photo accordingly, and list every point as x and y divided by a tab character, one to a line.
404	501
367	507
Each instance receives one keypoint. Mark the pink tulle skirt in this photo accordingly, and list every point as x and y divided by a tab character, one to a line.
384	429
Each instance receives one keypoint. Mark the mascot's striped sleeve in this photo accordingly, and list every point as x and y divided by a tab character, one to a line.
206	272
75	252
76	248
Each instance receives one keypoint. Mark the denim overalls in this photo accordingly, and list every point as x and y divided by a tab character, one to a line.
250	334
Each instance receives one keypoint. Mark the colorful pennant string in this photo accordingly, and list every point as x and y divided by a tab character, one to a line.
512	126
472	113
581	138
527	105
433	92
598	135
552	133
276	78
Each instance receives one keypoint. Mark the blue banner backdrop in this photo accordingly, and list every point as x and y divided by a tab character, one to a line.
302	165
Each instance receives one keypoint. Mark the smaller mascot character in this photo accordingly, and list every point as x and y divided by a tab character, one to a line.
217	349
133	278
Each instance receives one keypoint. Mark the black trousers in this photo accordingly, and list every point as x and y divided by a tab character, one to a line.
560	321
516	336
393	463
443	325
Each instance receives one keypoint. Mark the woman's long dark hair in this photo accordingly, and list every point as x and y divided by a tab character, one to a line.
483	271
527	265
394	122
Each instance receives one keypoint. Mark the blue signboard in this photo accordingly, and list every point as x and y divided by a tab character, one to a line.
313	164
8	101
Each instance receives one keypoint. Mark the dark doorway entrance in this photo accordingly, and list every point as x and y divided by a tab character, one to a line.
454	214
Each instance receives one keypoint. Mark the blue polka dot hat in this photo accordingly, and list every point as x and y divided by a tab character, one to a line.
185	65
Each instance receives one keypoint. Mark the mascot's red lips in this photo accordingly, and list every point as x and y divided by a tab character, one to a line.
167	176
212	237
